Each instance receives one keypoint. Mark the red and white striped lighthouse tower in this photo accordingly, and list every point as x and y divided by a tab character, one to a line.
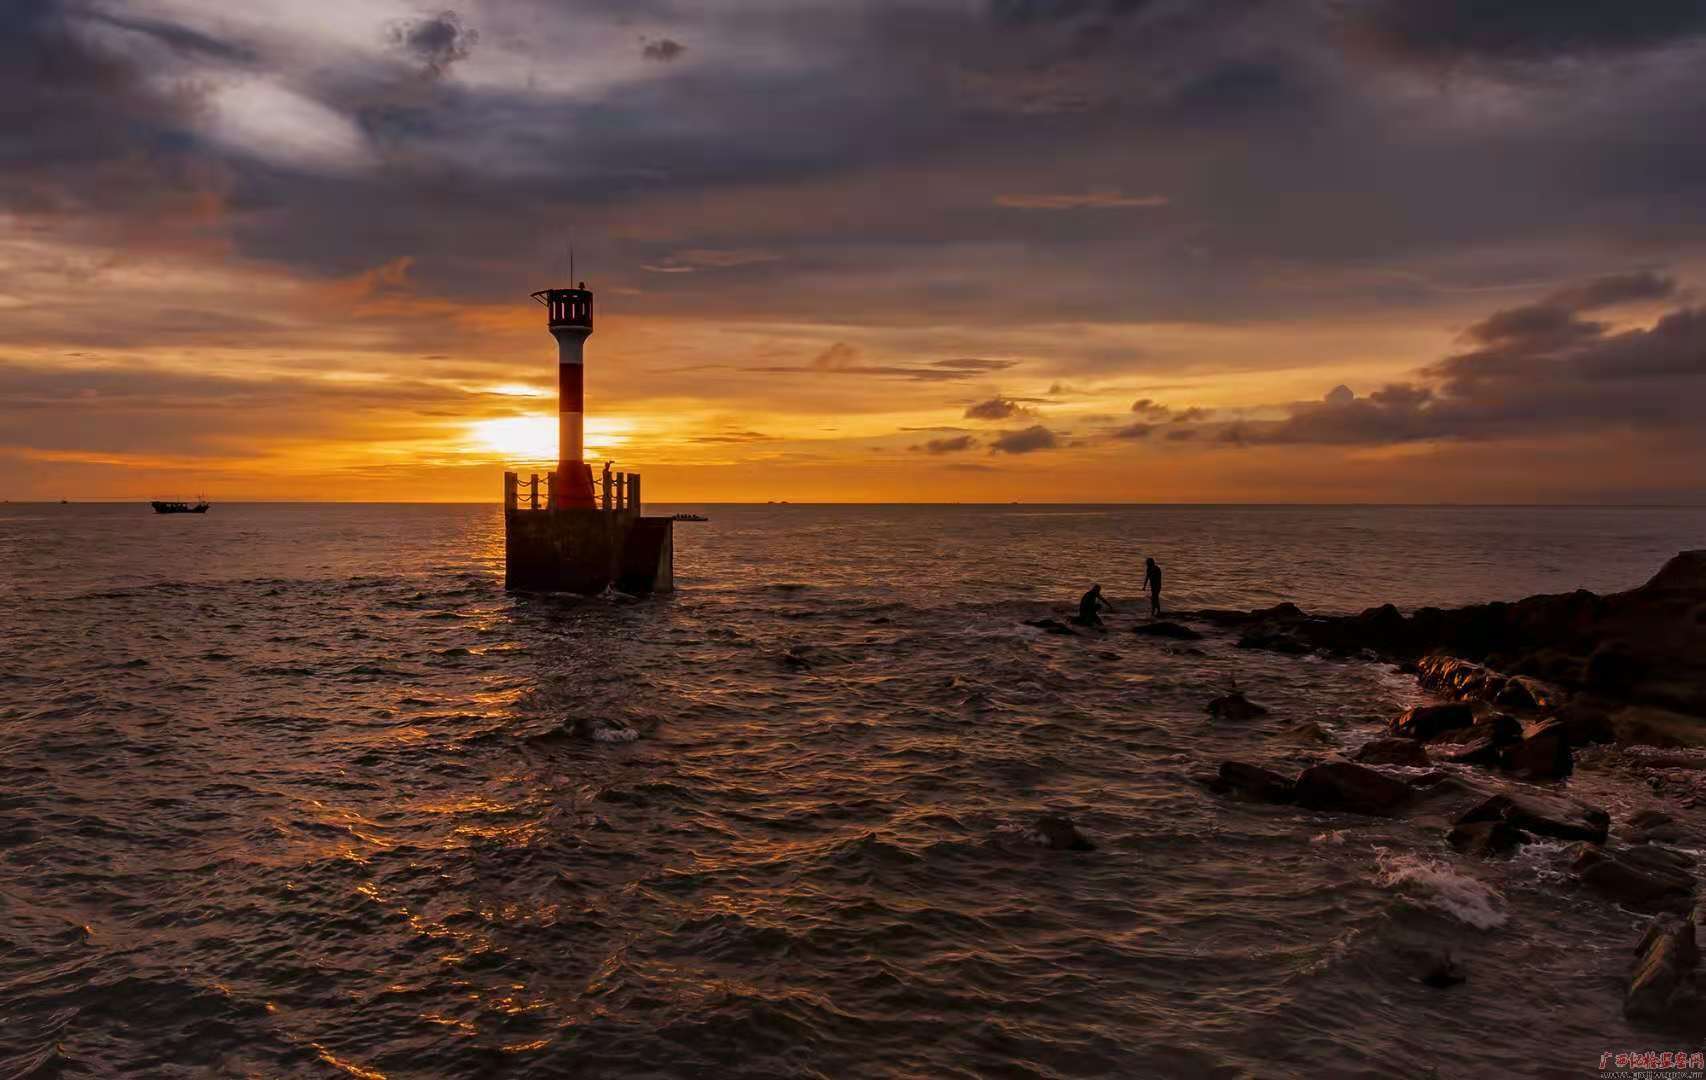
569	318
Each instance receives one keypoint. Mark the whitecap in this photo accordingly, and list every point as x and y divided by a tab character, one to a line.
1438	885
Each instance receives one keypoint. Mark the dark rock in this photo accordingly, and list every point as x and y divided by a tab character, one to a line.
1646	725
1393	752
1642	879
1544	815
1457	678
1442	972
1345	785
1425	722
1662	989
1273	640
1254	782
1165	629
1285	612
1611	669
1465	746
1050	626
1652	826
1486	838
1586	720
1543	753
1503	728
1524	694
1235	706
1058	833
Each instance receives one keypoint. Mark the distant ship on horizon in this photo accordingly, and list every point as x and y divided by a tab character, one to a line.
166	506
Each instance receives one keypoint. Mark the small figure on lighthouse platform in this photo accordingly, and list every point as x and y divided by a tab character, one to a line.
569	318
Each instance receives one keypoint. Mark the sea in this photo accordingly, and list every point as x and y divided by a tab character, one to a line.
299	790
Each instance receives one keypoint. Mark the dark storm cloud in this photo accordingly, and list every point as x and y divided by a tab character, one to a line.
436	42
1525	29
663	49
1538	370
951	445
1024	441
996	408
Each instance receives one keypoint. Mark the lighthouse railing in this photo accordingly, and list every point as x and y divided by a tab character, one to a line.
532	491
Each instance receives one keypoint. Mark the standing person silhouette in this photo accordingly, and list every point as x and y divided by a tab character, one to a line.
1152	581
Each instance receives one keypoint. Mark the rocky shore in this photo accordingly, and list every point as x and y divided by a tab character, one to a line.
1529	691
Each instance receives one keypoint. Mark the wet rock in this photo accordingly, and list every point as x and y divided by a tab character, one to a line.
1442	972
1051	626
601	729
1651	726
1235	706
1425	722
1586	720
1057	833
1543	753
1612	669
1465	746
1503	728
1165	629
1524	694
1543	815
1662	989
1486	838
1652	826
1453	677
1274	639
1243	780
1345	785
1642	879
1393	751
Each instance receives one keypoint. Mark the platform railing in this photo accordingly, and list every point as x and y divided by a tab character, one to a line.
611	490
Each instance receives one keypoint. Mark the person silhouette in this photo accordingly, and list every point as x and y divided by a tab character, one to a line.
1152	581
1089	606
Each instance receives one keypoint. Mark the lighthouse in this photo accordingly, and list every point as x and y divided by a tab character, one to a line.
569	318
570	536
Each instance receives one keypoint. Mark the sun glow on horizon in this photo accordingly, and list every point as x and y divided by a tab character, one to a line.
534	438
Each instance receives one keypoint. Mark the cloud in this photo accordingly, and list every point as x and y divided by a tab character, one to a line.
844	359
734	437
1149	407
997	408
951	445
1024	441
1089	200
1192	414
1133	431
436	42
1523	29
663	49
1536	369
691	259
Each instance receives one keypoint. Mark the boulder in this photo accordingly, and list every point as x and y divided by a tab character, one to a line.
1050	626
1345	785
1543	753
1453	677
1486	838
1662	989
1393	751
1274	639
1652	826
1525	694
1442	972
1165	629
1235	706
1611	669
1649	726
1642	879
1424	722
1543	815
1586	720
1057	833
1465	746
1253	782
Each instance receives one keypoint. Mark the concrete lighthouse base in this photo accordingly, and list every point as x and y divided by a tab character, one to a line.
585	551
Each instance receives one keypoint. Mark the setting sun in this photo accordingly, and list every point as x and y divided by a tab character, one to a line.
534	438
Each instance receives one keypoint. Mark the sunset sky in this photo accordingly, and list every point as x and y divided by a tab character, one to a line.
932	250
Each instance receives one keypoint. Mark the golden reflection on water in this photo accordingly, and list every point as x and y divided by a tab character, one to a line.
358	1071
